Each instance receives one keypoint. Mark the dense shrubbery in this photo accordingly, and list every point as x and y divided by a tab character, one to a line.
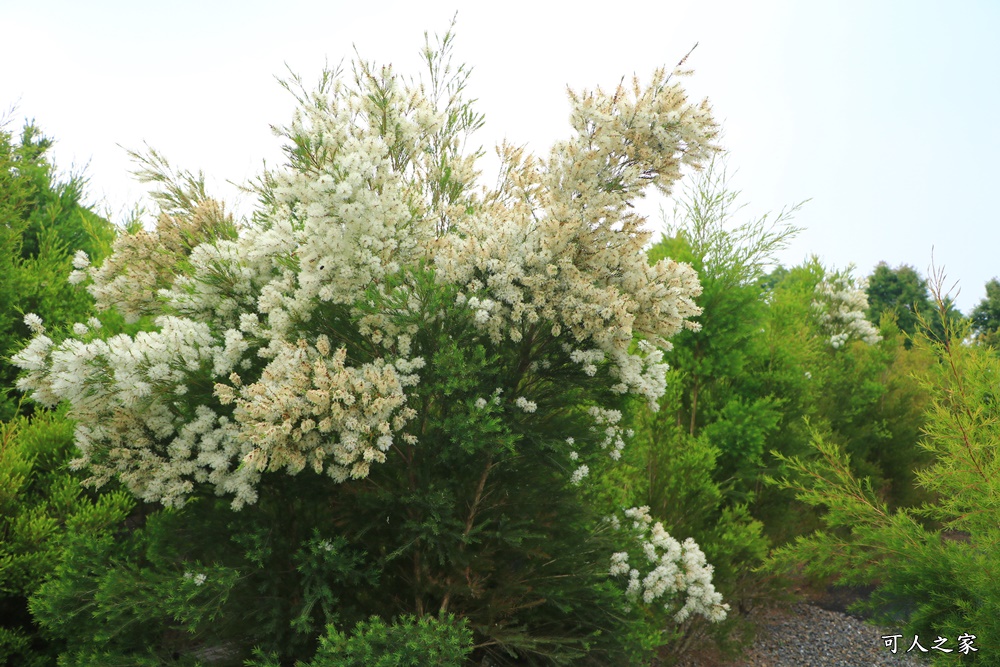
43	222
933	564
41	503
396	420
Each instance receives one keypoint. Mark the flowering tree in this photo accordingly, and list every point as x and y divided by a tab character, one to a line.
389	355
841	306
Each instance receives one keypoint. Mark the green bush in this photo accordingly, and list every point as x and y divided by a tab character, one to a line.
407	642
860	395
180	585
934	566
503	540
674	474
41	502
43	223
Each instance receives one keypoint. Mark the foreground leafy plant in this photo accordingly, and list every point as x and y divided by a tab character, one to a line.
408	642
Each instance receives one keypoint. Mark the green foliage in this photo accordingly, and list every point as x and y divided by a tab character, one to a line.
695	461
730	259
934	564
746	384
407	642
40	501
43	222
675	474
986	316
902	294
479	518
715	396
185	585
861	396
744	426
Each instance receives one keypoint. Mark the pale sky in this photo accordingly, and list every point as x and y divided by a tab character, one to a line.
883	114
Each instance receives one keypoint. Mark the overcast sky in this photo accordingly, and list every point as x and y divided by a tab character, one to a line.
883	114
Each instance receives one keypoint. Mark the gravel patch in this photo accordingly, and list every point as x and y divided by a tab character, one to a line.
804	635
807	635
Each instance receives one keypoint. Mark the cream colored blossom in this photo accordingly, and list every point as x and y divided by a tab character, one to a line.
143	262
305	397
377	185
559	240
34	323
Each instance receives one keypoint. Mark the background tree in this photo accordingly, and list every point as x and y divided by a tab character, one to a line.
986	316
730	260
40	503
43	223
858	392
902	293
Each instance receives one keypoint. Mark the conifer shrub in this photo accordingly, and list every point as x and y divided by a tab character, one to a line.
44	222
41	502
933	565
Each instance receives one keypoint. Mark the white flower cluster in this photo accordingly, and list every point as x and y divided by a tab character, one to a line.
198	579
238	377
587	358
356	218
147	261
80	263
34	323
609	423
525	405
124	395
677	568
840	306
579	474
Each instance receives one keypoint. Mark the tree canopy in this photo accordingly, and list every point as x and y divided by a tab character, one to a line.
985	316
